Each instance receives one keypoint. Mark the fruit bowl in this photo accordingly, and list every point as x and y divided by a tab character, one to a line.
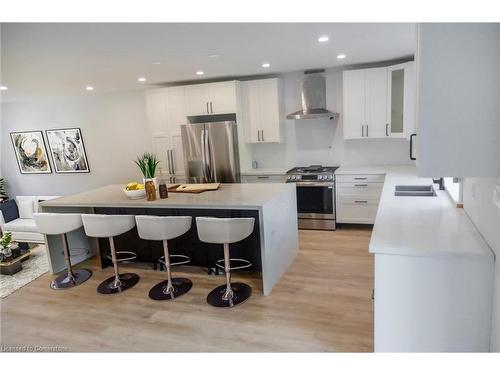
135	194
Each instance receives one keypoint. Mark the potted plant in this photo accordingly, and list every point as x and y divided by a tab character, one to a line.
148	164
8	264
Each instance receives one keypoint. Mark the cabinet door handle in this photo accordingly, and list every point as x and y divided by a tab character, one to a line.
361	185
211	108
262	135
360	201
411	146
362	130
258	135
207	107
386	130
367	130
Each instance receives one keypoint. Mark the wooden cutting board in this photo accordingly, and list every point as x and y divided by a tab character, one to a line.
193	188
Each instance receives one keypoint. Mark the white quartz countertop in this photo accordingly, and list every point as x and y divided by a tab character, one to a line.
229	196
421	226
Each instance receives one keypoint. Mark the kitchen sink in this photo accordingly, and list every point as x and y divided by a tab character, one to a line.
414	191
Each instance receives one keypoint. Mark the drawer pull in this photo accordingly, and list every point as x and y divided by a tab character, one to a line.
263	177
362	185
360	178
360	201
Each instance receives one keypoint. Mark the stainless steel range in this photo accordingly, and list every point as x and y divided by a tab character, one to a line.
315	196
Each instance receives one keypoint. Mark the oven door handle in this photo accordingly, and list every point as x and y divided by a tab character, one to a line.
314	184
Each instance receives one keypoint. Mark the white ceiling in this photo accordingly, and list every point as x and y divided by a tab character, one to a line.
61	59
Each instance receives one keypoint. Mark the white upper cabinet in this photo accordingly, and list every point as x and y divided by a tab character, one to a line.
379	102
165	109
354	104
156	111
176	109
263	110
458	111
211	98
376	103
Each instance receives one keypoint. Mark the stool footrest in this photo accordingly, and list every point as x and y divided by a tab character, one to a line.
132	256
172	257
239	264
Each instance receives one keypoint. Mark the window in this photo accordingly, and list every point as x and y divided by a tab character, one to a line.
453	186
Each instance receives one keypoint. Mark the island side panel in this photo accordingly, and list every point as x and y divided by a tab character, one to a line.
279	237
81	247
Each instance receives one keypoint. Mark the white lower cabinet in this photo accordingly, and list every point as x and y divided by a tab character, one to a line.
439	303
357	198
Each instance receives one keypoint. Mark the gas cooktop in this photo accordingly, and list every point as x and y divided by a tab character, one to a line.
312	169
311	173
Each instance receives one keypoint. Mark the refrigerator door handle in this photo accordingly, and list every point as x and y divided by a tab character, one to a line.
168	162
172	161
205	152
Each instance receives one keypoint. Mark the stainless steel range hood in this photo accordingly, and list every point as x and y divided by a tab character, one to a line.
313	98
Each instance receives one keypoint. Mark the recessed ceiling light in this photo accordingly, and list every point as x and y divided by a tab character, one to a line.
266	65
213	56
89	88
141	79
156	62
341	56
3	88
200	72
323	38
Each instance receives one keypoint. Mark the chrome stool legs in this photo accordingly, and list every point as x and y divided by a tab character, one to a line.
73	277
120	281
172	287
230	294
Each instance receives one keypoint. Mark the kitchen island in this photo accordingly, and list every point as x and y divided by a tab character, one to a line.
271	247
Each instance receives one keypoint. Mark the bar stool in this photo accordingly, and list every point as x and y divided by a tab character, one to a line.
111	226
226	231
60	224
164	228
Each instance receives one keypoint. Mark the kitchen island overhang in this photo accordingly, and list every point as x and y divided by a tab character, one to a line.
272	246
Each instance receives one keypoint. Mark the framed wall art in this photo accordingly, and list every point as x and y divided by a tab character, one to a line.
67	150
31	152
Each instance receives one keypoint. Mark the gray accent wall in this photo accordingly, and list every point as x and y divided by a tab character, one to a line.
113	129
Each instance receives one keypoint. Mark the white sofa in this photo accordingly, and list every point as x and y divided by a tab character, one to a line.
24	229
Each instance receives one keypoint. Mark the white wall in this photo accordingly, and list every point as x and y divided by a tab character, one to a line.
322	141
113	130
478	203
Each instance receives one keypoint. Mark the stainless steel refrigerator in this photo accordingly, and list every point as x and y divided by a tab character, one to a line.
210	145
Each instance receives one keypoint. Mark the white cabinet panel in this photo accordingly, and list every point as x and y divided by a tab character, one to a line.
156	111
458	95
375	102
212	98
176	109
222	97
197	98
263	110
354	104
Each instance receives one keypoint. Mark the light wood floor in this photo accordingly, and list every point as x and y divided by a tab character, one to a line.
323	303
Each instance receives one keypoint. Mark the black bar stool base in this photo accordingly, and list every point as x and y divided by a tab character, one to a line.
128	281
241	291
64	282
180	284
